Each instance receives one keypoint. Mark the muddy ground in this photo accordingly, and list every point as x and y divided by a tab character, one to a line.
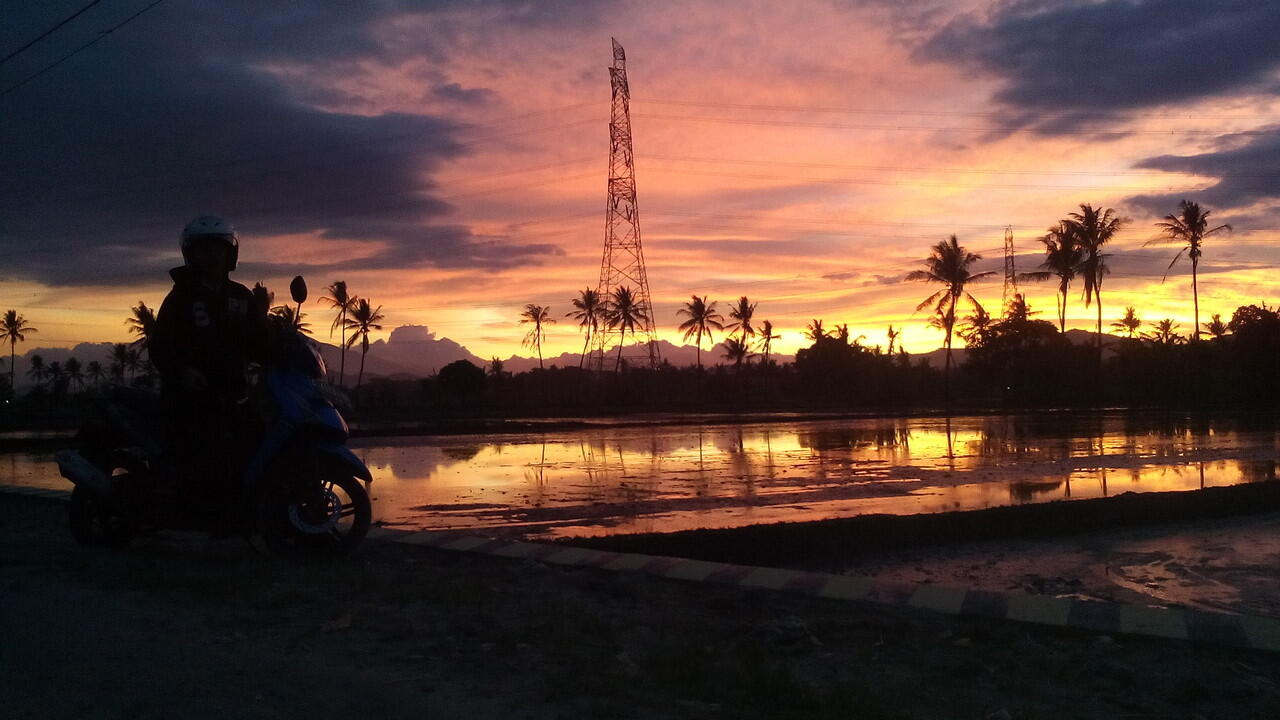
1221	565
185	627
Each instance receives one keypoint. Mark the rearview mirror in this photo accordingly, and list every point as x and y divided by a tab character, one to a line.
298	289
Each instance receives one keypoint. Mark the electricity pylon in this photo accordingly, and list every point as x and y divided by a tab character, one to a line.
1010	272
623	262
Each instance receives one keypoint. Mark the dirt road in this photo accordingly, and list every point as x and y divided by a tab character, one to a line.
181	627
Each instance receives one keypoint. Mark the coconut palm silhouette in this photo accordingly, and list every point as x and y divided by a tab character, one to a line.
702	319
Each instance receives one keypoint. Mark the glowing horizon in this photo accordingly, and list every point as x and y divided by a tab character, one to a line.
774	159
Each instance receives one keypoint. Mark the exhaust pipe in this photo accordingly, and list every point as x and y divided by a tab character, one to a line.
79	471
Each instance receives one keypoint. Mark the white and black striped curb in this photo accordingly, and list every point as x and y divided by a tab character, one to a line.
1259	633
1248	631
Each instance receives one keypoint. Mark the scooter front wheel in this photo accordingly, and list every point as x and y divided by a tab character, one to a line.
327	520
96	522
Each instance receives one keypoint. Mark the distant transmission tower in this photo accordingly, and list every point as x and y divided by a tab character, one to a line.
1010	273
623	261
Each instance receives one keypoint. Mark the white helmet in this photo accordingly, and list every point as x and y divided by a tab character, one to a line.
211	228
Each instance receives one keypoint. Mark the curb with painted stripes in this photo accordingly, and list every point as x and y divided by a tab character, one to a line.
1248	631
1254	632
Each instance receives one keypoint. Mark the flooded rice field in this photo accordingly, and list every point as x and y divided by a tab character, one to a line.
659	478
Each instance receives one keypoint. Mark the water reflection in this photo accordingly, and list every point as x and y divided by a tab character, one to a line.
628	479
669	478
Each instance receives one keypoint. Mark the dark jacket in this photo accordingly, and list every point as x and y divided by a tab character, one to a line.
215	331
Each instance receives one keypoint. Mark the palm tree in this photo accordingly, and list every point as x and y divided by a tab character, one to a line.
132	361
1216	328
948	265
93	370
814	331
741	315
148	376
1165	333
292	318
37	370
14	328
588	310
56	376
341	300
893	336
1019	309
736	349
625	312
1095	228
537	315
361	319
977	327
141	323
1129	323
1062	257
119	361
1189	227
766	340
495	368
74	372
703	318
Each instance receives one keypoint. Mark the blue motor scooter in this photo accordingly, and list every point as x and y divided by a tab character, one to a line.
293	485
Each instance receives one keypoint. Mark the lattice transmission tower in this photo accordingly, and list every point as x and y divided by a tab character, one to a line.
1010	272
623	262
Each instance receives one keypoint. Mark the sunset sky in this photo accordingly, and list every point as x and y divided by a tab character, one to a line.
448	159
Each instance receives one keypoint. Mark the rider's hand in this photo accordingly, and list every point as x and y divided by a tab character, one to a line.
193	380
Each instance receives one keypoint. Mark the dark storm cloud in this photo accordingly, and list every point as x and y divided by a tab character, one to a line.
863	281
467	96
106	157
909	23
1154	262
875	280
841	276
453	247
1245	174
1082	60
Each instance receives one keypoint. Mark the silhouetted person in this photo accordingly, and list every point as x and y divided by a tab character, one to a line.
207	330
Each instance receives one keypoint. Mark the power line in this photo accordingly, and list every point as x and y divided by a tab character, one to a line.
328	159
671	229
78	50
971	228
913	183
694	288
842	294
1093	115
847	222
838	222
942	128
47	33
328	149
920	168
408	202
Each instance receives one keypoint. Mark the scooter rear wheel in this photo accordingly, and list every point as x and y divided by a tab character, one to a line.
95	522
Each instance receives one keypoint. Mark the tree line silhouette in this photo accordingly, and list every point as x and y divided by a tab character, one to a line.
129	364
1012	359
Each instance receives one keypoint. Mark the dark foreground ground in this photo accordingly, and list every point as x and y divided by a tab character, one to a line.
182	627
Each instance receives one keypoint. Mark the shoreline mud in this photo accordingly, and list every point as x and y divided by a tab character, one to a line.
830	544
